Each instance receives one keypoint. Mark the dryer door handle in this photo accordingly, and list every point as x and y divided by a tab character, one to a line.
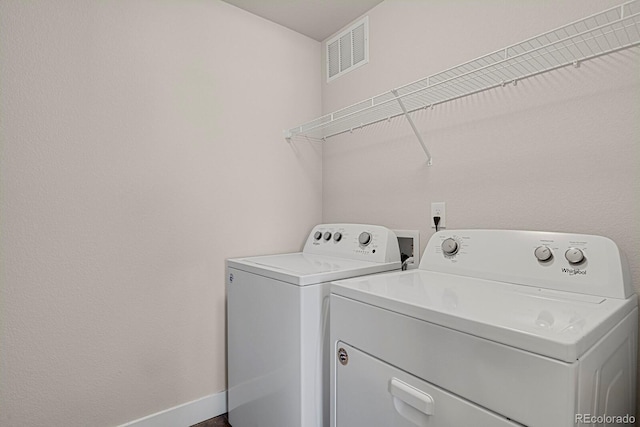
409	395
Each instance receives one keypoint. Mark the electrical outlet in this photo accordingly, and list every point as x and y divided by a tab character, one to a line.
437	209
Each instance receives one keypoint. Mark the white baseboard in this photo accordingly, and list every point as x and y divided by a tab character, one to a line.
187	414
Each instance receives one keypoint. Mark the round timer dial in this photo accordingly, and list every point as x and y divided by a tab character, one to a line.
574	255
364	238
450	246
543	253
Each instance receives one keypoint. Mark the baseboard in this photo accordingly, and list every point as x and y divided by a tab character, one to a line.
187	414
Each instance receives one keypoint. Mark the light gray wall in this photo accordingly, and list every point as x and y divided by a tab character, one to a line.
141	146
557	152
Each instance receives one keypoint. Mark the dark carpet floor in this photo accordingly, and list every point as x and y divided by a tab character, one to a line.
220	421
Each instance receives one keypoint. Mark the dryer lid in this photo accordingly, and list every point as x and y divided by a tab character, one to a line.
557	324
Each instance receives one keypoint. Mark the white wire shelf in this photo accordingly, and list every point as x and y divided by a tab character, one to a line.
599	34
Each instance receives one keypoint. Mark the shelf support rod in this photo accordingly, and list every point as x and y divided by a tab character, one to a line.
413	126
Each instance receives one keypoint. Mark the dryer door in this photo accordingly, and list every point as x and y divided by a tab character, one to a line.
370	392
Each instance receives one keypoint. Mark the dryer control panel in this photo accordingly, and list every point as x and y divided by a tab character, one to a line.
579	263
365	242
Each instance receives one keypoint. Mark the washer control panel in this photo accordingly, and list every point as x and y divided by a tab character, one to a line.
355	241
568	262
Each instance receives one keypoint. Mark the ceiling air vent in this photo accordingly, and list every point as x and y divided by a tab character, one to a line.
348	50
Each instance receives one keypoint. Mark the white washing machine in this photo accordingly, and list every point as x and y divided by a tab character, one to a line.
496	328
277	326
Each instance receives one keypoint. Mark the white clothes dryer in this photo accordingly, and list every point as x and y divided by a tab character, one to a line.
277	326
495	328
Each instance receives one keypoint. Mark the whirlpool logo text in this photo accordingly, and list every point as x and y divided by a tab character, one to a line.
574	271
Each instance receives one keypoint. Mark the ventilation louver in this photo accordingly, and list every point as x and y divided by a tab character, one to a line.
348	50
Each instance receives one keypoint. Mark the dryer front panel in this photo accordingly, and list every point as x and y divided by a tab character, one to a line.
370	392
531	389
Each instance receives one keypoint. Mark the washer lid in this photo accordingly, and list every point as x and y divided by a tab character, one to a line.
308	269
557	324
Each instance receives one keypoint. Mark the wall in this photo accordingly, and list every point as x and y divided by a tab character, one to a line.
557	152
141	145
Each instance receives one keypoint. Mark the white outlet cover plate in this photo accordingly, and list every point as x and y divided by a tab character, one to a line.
438	209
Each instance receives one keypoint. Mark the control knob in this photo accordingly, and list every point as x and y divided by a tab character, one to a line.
364	238
574	255
337	236
543	253
317	235
450	246
327	235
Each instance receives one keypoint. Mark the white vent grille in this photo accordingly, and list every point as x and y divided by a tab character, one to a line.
348	50
333	58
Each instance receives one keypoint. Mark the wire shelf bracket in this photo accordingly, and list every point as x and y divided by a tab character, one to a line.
413	126
602	33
